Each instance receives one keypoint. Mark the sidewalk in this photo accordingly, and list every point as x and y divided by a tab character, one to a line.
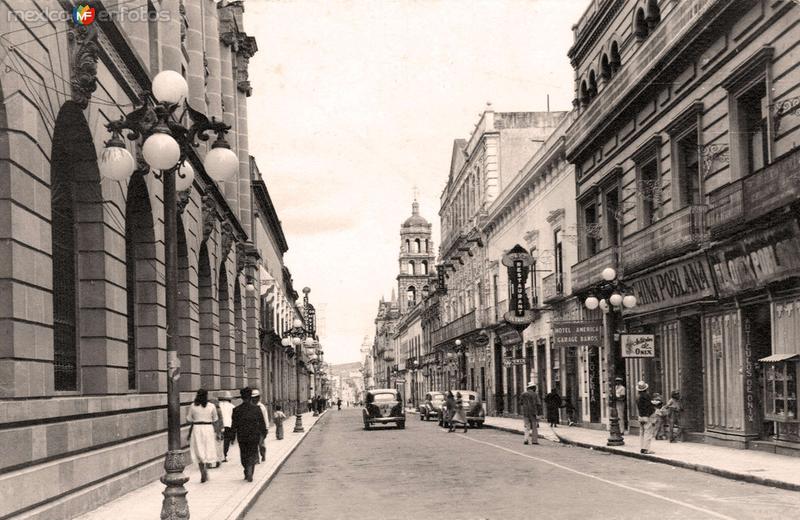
747	465
226	495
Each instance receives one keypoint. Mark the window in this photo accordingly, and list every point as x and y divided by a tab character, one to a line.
559	261
613	215
640	25
649	189
687	170
411	295
749	97
411	267
616	62
591	230
534	297
416	246
753	111
408	246
424	267
780	391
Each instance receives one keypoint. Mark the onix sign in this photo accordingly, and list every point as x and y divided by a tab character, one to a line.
518	261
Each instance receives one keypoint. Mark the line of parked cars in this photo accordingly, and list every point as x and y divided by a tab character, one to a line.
385	406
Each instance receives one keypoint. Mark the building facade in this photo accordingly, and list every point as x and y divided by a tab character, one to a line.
83	363
686	166
480	169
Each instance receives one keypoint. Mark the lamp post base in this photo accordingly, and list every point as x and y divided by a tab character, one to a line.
614	434
174	506
298	424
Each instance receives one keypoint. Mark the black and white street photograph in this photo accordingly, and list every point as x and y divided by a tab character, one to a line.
399	259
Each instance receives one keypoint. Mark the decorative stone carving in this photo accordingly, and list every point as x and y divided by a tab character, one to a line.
83	62
241	257
227	241
210	215
183	199
184	21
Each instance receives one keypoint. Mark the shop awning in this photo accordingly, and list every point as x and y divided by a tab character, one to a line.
777	358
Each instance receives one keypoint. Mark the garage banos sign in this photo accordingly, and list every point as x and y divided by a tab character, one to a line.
577	333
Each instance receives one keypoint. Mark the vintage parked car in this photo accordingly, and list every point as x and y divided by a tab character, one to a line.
432	407
474	408
384	405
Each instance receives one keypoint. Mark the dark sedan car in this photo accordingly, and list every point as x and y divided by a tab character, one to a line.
384	406
432	407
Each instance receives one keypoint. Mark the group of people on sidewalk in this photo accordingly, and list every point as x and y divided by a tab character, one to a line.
214	426
655	417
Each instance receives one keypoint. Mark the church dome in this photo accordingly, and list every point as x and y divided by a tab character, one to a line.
415	219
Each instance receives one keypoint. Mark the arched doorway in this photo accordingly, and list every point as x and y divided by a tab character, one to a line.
226	328
209	351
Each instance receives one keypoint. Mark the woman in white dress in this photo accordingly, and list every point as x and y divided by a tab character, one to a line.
202	437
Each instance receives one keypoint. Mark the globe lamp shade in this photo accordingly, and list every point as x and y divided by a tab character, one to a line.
221	163
458	342
615	299
251	287
170	87
297	341
161	151
309	342
629	301
185	177
609	274
591	303
116	163
297	323
603	305
286	342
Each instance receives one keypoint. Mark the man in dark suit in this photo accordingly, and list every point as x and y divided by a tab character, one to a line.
248	427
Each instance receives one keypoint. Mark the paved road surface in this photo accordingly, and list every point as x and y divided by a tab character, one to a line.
342	471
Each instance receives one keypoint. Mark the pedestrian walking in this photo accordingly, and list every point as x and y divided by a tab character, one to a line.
553	402
459	415
339	404
278	418
675	408
248	426
450	408
647	412
531	403
226	409
570	409
262	445
219	434
202	439
620	402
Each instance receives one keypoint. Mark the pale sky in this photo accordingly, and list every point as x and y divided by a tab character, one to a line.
356	102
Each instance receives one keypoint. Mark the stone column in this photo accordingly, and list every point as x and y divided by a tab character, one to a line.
228	45
212	57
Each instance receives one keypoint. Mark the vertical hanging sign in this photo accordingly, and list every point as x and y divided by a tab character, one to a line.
311	320
441	286
518	262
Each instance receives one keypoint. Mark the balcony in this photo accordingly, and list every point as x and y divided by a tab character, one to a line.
554	287
455	328
683	230
754	196
588	272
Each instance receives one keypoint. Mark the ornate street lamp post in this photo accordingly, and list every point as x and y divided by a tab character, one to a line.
614	296
293	341
168	141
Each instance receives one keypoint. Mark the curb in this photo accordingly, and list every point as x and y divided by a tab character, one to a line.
244	507
732	475
518	432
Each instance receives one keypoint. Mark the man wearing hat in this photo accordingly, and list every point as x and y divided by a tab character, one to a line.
248	427
262	446
646	417
531	404
226	411
620	402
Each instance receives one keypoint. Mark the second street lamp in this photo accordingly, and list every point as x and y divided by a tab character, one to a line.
613	297
293	341
167	145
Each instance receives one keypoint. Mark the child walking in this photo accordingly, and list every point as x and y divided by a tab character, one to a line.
674	409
